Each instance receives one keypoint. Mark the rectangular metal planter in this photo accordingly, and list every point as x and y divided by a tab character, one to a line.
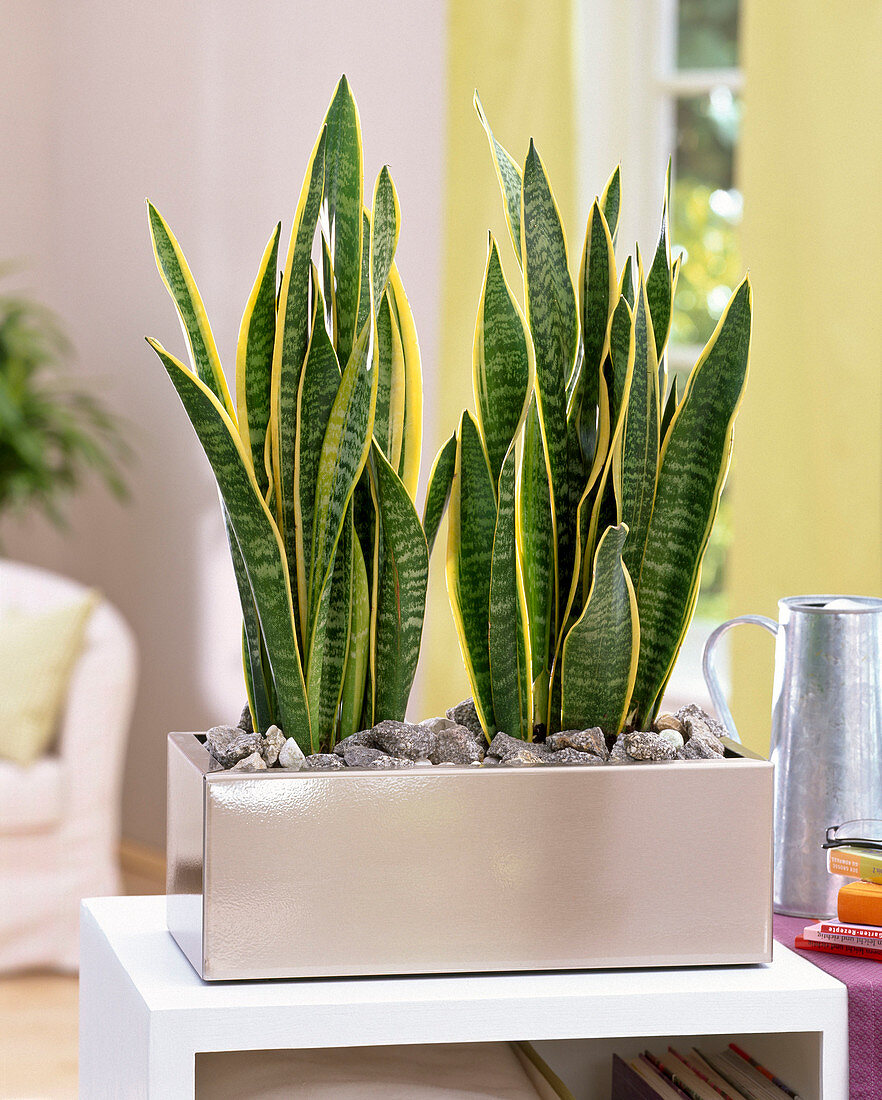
319	874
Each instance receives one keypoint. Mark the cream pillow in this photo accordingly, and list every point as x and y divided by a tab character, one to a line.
37	656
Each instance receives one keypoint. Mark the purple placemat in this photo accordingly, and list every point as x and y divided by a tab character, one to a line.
863	977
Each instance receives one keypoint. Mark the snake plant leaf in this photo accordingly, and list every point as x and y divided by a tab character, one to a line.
316	393
292	339
598	293
254	360
600	652
364	293
511	677
438	491
343	455
551	311
640	438
329	645
328	286
358	654
412	437
391	383
659	280
471	525
386	222
621	359
401	577
670	408
611	202
342	205
262	712
181	285
502	363
692	472
626	283
258	538
536	540
509	176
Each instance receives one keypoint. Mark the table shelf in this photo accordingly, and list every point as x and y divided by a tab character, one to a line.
145	1014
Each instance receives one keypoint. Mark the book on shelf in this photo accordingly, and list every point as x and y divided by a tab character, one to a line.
853	950
860	903
855	862
862	935
730	1075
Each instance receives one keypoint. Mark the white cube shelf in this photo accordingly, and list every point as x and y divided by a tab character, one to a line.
145	1015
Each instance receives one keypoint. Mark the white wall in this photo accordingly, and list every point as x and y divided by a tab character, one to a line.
210	109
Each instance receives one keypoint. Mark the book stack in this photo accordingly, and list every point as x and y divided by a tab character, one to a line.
729	1075
858	930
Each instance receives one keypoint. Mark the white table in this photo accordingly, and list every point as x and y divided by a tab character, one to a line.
145	1014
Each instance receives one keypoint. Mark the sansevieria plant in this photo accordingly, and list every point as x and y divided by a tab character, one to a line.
584	491
317	456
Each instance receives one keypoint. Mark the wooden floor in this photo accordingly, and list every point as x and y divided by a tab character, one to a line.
38	1012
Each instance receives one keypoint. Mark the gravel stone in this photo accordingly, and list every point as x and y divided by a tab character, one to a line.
505	746
291	756
674	739
465	714
245	722
385	763
363	738
704	731
359	756
572	756
457	745
229	744
619	755
322	760
403	739
271	745
253	763
525	757
668	722
592	740
436	725
703	746
648	746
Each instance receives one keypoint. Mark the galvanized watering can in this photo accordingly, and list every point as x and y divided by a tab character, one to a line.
826	734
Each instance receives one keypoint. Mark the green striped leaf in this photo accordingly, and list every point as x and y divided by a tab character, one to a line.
611	202
509	176
400	580
328	286
258	538
471	525
343	455
600	652
330	644
551	311
509	646
640	439
262	711
364	293
181	285
292	339
343	201
254	360
598	293
502	363
670	409
386	222
659	281
626	283
692	473
412	436
319	384
391	383
536	538
358	655
438	491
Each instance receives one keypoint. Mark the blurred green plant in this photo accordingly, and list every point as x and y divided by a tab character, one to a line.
53	432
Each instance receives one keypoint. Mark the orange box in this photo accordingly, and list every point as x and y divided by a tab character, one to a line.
860	903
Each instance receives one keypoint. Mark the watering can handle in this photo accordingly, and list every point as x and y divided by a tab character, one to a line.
709	668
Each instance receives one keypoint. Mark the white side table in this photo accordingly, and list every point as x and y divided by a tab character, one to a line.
145	1014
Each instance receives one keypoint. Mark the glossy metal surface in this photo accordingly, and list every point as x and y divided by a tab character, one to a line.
826	736
464	869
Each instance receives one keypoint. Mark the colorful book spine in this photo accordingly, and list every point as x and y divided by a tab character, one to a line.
860	863
850	949
860	903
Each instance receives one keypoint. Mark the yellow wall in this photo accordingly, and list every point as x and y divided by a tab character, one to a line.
807	479
518	55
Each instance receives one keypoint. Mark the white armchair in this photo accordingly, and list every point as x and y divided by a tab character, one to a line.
60	817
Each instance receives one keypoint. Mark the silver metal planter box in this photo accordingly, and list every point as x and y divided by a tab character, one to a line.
319	874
